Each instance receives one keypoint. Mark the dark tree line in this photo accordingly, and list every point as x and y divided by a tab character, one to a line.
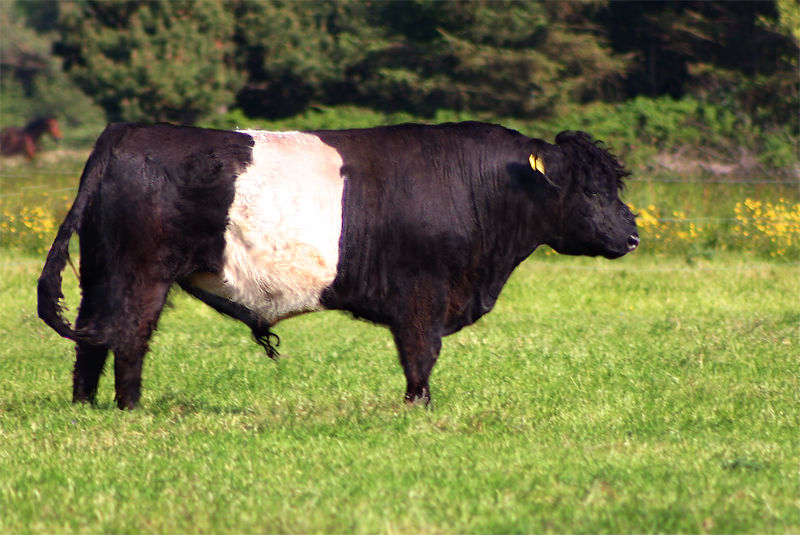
182	60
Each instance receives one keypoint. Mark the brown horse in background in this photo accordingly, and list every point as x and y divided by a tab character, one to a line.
15	140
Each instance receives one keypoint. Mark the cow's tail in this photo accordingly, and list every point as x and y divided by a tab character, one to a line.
49	290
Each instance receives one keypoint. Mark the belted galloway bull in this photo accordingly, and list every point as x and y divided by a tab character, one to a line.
414	227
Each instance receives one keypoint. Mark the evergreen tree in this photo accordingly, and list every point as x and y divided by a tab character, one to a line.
181	60
32	83
499	57
298	53
509	57
162	60
742	54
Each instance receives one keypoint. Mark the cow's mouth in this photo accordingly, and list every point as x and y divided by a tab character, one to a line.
633	241
630	245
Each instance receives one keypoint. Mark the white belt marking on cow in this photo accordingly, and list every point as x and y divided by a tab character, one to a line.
282	239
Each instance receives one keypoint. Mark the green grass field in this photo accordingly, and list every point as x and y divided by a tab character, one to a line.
640	395
656	393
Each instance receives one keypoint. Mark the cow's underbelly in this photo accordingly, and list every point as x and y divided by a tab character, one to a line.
282	238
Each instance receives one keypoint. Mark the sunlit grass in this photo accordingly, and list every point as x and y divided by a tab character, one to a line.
656	393
641	395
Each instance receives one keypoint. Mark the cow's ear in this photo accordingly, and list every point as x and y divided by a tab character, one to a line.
538	166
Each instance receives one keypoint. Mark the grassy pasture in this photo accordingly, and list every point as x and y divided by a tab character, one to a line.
656	393
641	395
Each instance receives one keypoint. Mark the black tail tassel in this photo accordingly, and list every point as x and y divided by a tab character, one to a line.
268	340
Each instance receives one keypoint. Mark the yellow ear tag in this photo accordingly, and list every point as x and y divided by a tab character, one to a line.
537	164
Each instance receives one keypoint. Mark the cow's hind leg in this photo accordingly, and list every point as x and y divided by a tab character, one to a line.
89	362
90	356
131	342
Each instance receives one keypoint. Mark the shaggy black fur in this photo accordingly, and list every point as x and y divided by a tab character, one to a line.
151	210
435	219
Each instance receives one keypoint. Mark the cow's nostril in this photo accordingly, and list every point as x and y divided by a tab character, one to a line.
633	241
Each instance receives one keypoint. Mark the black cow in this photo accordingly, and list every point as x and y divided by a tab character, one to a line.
413	227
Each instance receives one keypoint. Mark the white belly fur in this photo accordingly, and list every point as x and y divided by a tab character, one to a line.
282	239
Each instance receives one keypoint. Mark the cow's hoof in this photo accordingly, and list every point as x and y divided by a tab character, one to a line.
126	404
421	400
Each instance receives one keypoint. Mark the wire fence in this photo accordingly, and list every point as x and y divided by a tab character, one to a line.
679	219
605	268
709	223
757	181
722	181
660	180
22	191
637	180
47	188
45	173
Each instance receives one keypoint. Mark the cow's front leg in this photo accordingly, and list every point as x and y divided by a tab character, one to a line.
418	349
418	336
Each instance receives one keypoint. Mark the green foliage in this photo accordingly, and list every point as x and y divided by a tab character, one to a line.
779	150
160	60
788	20
641	128
174	61
185	61
32	83
318	117
628	397
506	58
23	51
637	130
294	57
739	57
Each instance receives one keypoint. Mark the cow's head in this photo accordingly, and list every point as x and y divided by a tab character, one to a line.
587	179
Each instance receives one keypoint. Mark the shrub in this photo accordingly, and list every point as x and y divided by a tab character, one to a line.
667	234
762	228
31	227
769	229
